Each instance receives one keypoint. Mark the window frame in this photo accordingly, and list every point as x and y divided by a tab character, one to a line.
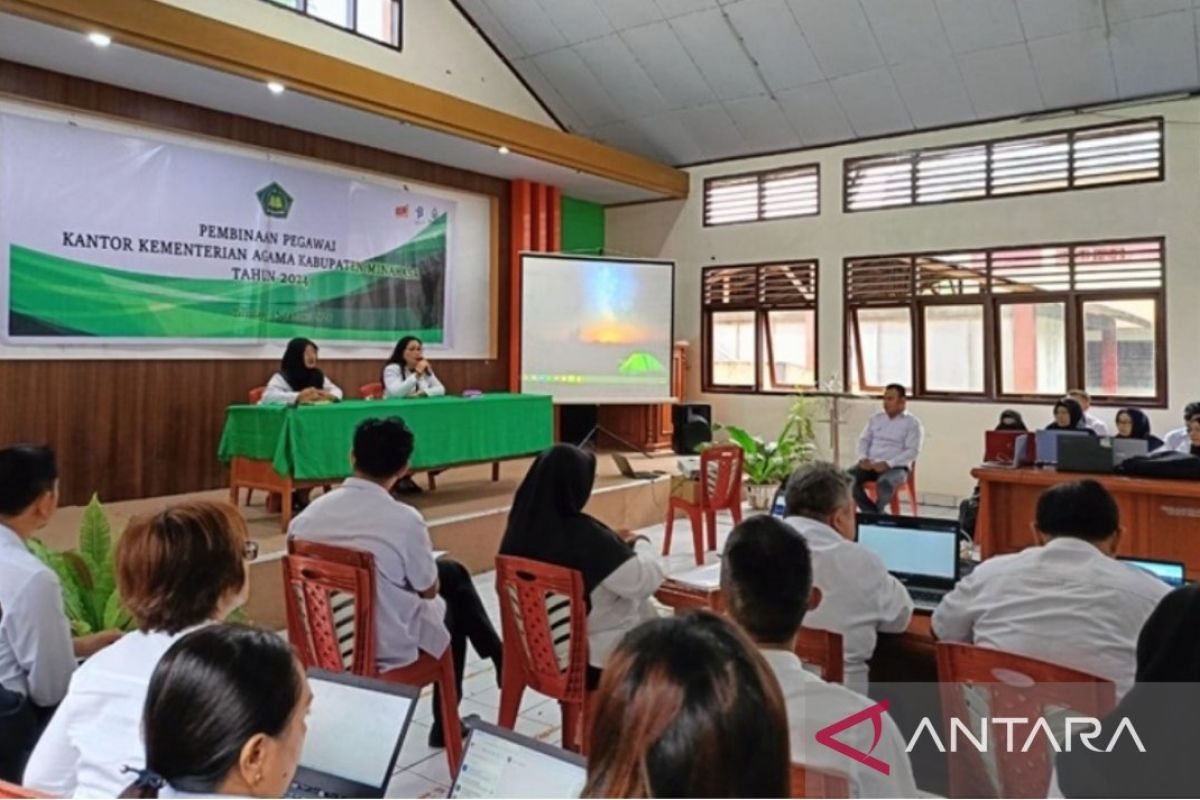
759	176
763	345
914	156
397	43
1072	298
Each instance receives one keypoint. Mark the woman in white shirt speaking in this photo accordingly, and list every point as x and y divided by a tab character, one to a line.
408	374
177	570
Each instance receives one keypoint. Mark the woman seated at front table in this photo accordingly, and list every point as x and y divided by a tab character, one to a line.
408	374
298	381
1132	423
621	571
1068	416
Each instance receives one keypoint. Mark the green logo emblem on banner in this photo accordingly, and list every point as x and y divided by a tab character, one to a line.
274	200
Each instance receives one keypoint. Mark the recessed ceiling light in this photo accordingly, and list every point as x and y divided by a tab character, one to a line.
275	86
99	39
502	150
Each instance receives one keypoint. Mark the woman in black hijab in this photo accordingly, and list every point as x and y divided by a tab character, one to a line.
620	571
1132	423
1068	416
299	381
1011	421
1161	708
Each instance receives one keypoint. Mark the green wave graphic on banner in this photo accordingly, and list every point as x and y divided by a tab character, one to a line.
53	296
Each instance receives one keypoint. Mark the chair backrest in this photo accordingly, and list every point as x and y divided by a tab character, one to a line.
256	394
542	607
371	391
1005	685
822	649
721	476
812	782
330	597
13	790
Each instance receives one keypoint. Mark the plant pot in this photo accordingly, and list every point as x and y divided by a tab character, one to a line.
761	495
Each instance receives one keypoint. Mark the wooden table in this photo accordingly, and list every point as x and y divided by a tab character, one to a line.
1161	517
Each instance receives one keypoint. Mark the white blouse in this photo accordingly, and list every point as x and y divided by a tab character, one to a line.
396	385
621	601
280	392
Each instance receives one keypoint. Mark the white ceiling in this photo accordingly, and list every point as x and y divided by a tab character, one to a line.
683	81
28	42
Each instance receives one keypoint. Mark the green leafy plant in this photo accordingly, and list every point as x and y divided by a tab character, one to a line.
771	462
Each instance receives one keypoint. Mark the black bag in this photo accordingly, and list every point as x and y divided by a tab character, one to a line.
1170	464
968	514
18	734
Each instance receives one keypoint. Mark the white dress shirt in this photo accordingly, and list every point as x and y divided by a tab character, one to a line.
1064	602
813	704
361	515
1176	440
97	729
396	384
1096	424
859	597
280	392
621	601
896	440
37	655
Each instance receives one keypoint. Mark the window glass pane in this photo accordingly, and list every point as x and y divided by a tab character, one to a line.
733	348
1119	337
954	348
1033	349
885	335
793	349
376	18
335	11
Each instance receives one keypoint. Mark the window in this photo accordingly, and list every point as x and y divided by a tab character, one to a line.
1103	155
760	327
374	19
1023	322
762	196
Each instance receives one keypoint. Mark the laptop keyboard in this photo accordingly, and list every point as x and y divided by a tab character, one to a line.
926	597
301	790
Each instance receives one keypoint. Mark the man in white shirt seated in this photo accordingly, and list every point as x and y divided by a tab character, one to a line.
1068	600
421	605
858	596
766	579
1095	424
1177	439
887	449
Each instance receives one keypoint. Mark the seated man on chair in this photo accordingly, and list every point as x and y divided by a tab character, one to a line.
887	449
421	605
766	578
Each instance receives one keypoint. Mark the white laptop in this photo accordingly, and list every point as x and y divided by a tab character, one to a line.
921	552
498	762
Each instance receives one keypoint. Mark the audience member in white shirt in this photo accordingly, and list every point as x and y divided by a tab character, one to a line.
688	708
176	570
421	605
887	448
37	653
859	598
1068	600
1177	439
621	572
408	374
298	381
766	579
224	717
1094	424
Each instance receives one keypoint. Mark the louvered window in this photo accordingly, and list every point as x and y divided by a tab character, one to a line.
761	196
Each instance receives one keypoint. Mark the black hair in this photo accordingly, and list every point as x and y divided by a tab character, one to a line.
214	689
767	572
293	369
382	447
898	388
397	356
1082	510
1011	420
817	490
27	471
1192	409
1074	410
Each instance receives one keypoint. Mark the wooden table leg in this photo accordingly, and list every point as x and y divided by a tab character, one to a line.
495	471
285	517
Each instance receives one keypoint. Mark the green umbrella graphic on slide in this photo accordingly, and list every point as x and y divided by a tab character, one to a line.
641	364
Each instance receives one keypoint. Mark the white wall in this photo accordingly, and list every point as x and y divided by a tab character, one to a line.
441	50
954	441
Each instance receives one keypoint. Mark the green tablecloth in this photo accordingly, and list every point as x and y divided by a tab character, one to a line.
313	442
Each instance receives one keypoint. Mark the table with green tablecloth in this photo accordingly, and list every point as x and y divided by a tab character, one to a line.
281	448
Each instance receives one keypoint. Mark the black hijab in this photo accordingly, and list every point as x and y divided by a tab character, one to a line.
292	368
1141	427
547	522
1161	707
1075	410
1011	421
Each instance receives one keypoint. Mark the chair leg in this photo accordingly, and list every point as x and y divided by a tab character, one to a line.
571	729
432	481
451	723
697	535
234	491
735	511
710	522
512	687
249	497
670	530
495	471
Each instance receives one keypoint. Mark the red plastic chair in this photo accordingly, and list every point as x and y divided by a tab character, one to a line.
1011	685
539	653
371	391
812	782
330	595
822	649
909	488
12	790
720	488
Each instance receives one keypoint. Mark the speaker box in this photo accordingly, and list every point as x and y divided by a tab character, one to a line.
693	427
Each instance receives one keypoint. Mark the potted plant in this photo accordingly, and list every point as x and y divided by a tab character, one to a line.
769	463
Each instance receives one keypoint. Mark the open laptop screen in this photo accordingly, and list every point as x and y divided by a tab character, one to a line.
500	763
1170	572
912	547
353	731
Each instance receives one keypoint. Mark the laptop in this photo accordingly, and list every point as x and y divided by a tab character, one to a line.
498	762
356	727
999	447
629	472
921	552
1171	573
1129	448
1085	454
779	503
1047	444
